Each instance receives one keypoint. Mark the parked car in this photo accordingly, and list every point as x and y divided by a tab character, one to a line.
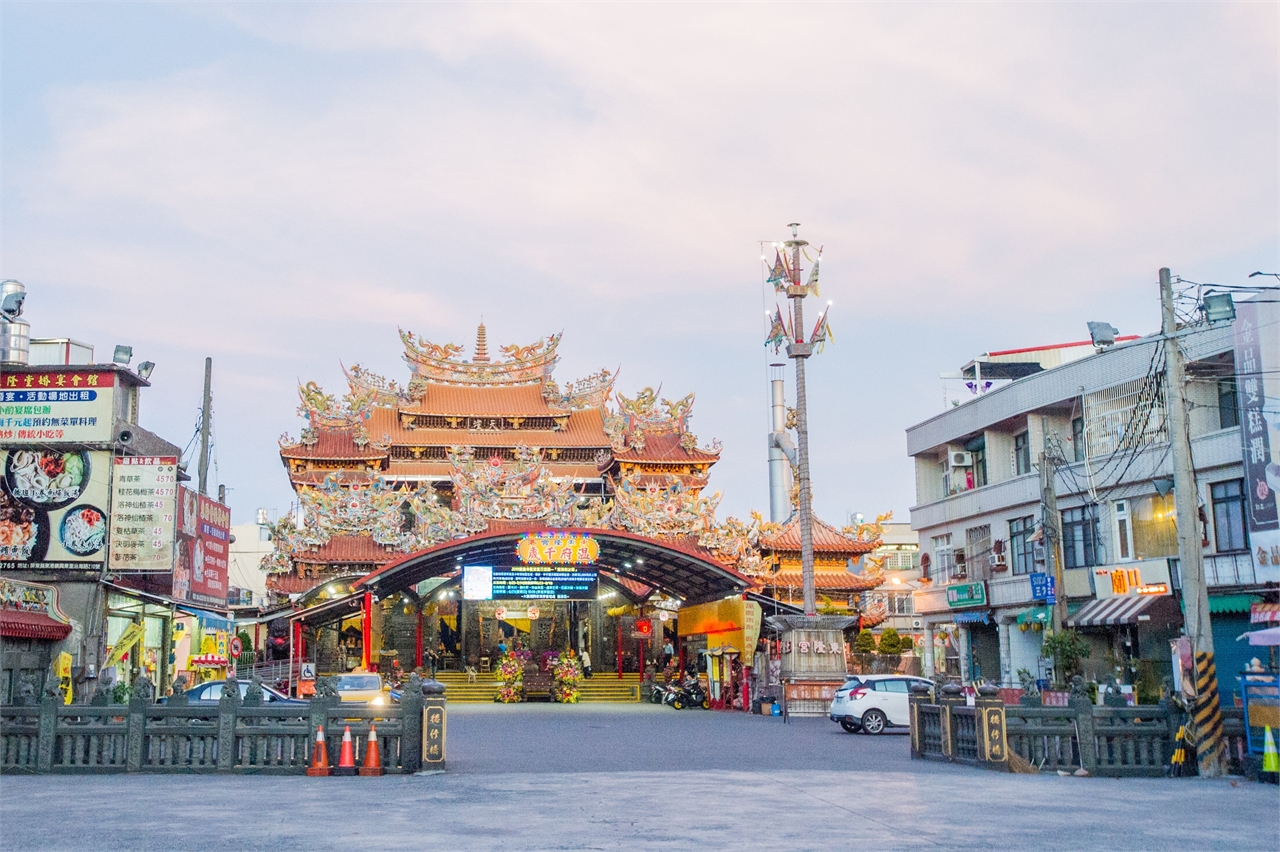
363	688
872	703
211	692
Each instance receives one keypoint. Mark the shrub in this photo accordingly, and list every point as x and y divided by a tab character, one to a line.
865	643
1067	648
890	642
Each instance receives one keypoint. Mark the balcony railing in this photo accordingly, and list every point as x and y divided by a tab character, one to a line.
1229	569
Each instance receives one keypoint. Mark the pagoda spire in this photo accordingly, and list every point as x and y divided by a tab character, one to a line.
482	348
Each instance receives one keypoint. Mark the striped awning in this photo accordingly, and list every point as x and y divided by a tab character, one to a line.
209	661
1127	609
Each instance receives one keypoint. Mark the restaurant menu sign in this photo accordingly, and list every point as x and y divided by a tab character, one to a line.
144	497
58	405
53	507
209	551
1257	355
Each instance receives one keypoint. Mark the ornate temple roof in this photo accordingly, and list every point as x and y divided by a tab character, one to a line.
826	540
333	445
667	448
346	549
827	581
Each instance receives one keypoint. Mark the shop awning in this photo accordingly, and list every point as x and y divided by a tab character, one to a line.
1036	615
1231	603
330	611
1261	613
982	617
1127	609
207	661
32	625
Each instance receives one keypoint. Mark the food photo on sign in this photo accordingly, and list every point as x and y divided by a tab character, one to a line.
52	505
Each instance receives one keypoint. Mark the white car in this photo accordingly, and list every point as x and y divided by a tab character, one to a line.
871	703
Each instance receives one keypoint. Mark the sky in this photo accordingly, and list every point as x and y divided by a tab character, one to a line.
281	186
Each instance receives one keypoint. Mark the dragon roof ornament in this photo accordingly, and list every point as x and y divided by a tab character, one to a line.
640	417
590	392
321	410
521	490
666	510
522	365
386	392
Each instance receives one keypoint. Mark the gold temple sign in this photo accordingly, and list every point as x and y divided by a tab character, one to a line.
433	734
558	548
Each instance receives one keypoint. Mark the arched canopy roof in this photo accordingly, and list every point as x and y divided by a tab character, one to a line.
675	569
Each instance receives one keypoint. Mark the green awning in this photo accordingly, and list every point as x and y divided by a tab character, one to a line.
1231	603
1037	614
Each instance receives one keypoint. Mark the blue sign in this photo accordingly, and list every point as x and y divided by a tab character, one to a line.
1043	587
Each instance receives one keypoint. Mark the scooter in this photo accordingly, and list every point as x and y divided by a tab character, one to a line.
691	694
660	693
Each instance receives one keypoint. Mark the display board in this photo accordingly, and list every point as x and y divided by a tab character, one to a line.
143	513
53	507
57	405
482	583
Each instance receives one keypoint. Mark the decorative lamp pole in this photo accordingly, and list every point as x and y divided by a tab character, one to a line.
789	328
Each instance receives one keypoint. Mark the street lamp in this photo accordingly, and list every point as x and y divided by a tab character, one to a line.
788	327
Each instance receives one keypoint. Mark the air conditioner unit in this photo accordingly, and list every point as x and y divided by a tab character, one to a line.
958	459
995	560
917	623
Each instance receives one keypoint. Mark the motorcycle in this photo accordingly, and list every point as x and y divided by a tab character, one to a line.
691	694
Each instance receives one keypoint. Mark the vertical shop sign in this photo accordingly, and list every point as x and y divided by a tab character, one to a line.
144	512
210	556
1257	354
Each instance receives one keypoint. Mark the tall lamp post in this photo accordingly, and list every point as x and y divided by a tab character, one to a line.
789	328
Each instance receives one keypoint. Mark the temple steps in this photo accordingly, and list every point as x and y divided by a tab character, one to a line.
606	687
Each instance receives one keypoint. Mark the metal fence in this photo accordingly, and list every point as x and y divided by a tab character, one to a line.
229	737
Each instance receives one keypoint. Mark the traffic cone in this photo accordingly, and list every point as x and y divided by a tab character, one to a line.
319	756
1270	759
372	756
347	757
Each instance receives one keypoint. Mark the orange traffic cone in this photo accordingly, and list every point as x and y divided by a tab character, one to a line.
319	756
347	757
372	756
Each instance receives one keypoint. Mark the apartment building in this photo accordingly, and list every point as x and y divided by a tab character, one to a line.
1096	426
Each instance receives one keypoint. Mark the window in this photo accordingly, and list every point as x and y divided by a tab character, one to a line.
895	685
1077	438
1124	530
1021	546
1155	529
1022	453
943	563
1228	406
978	446
1080	537
977	547
900	603
1228	516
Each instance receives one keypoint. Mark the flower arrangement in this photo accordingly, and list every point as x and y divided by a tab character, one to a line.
511	672
567	670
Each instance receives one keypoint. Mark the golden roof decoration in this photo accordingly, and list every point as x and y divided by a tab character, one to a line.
531	364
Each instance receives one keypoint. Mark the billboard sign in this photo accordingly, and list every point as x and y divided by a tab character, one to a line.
1257	354
203	539
144	508
57	405
53	507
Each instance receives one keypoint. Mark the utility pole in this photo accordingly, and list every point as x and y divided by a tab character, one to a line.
1207	713
1052	526
206	412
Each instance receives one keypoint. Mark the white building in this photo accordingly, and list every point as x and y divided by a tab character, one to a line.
251	542
1100	420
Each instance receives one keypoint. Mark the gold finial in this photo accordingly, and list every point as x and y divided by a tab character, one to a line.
482	348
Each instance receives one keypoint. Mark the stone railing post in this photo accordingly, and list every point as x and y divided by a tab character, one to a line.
47	733
135	732
1086	739
993	743
411	724
920	694
433	725
228	704
952	696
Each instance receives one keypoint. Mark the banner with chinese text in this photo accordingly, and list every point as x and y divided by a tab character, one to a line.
60	404
143	513
1257	354
53	507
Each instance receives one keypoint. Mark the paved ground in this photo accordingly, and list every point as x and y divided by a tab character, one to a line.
640	777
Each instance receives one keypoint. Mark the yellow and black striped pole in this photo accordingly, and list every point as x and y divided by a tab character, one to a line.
1207	719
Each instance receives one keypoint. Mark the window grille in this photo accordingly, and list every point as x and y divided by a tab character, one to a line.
1128	416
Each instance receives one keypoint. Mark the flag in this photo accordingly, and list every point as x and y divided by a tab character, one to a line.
779	276
812	284
821	333
777	331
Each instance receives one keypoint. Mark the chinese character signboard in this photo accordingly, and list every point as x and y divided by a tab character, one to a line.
966	594
1257	352
144	492
53	507
558	548
58	405
204	534
1147	577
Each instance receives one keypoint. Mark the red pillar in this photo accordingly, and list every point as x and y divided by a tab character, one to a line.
680	674
417	641
619	648
367	628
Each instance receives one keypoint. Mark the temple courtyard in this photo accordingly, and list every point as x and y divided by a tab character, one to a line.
614	776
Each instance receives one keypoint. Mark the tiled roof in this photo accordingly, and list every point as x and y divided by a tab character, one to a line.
344	549
826	539
345	477
332	444
584	429
665	448
841	581
446	400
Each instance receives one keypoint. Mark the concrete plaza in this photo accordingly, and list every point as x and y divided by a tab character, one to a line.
642	777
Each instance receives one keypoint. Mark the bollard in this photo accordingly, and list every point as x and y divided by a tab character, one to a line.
411	725
952	696
433	725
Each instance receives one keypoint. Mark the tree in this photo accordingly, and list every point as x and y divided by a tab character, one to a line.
890	642
1067	648
865	643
